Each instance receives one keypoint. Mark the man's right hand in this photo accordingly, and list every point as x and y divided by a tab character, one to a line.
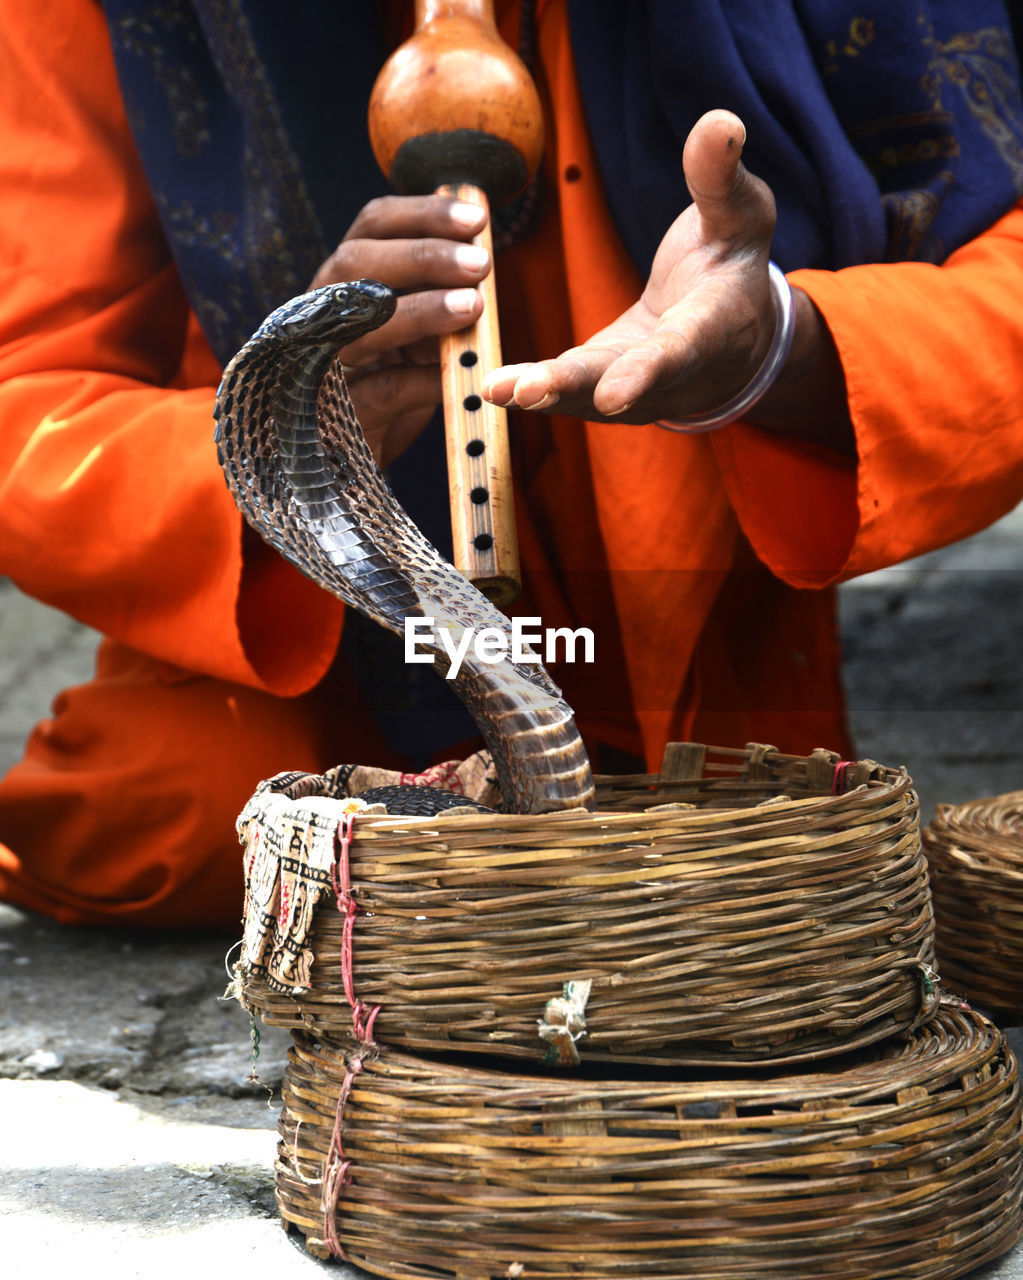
420	247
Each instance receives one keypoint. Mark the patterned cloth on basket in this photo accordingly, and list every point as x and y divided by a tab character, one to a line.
290	830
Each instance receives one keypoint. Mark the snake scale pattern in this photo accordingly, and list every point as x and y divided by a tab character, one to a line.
297	462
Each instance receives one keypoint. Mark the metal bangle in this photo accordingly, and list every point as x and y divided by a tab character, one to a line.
763	379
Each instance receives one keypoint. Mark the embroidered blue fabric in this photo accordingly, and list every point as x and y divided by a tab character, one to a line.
886	130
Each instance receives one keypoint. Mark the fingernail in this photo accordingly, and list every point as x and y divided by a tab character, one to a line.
466	215
460	302
471	257
550	398
488	389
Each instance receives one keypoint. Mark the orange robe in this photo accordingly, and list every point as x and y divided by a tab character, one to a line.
220	667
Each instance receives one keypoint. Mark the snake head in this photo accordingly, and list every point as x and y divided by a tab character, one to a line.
334	315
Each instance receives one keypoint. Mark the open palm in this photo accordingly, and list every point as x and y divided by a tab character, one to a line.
705	318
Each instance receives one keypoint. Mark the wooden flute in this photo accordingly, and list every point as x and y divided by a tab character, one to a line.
455	111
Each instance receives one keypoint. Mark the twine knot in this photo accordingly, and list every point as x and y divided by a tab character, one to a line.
564	1022
363	1017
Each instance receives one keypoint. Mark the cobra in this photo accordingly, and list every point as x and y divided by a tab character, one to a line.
297	462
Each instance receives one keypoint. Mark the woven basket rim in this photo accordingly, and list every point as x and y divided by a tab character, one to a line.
861	1073
685	816
694	815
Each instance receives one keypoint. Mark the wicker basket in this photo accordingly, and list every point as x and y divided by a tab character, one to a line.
902	1161
730	908
975	853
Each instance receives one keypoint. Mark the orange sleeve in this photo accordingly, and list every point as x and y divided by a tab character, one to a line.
112	504
933	362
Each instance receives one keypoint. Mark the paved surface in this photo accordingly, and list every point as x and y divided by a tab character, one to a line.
130	1140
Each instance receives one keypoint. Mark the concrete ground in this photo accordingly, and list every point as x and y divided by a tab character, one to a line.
130	1141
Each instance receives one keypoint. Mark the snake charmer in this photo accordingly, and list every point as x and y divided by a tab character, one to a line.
169	183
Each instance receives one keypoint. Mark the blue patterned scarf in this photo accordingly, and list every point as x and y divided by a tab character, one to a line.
250	121
887	130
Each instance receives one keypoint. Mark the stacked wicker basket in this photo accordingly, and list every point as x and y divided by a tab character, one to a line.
695	1033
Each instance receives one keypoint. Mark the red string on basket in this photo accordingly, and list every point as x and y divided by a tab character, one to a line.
362	1017
838	777
336	1176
